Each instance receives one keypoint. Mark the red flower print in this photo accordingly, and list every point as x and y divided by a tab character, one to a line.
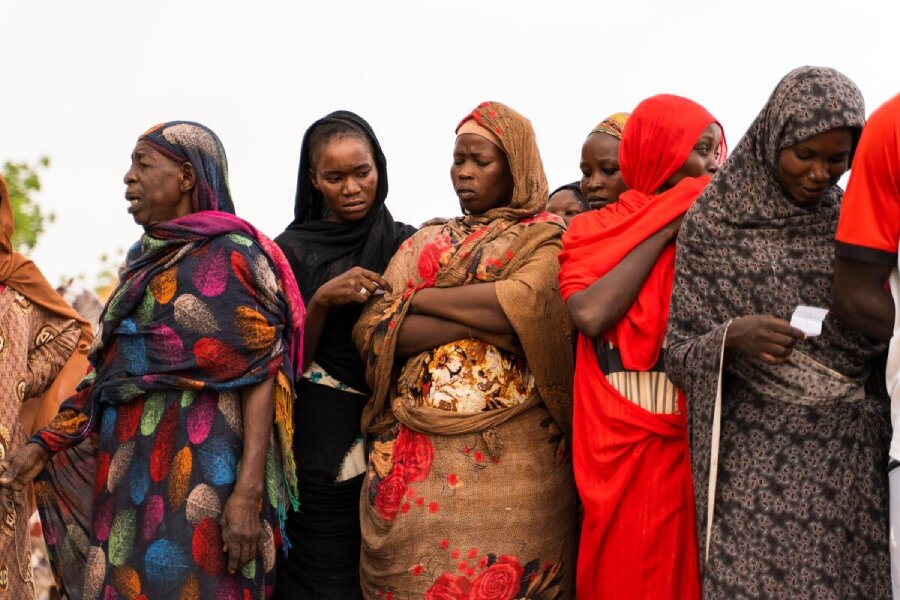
390	493
444	544
500	581
417	569
433	507
479	457
428	263
449	587
452	479
415	452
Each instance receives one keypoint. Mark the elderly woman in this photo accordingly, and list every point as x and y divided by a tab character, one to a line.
39	332
629	444
189	400
340	241
787	441
469	487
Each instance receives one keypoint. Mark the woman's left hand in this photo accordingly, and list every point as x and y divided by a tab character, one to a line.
241	529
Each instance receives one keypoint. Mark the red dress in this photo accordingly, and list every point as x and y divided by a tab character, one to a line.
632	466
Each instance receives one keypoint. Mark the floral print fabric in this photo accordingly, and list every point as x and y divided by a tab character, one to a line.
800	503
469	376
428	494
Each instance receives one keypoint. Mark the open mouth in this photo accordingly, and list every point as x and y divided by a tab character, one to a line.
134	203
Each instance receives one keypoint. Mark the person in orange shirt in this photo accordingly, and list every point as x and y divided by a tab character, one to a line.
867	238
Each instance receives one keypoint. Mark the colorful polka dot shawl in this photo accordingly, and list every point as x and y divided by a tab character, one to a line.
205	303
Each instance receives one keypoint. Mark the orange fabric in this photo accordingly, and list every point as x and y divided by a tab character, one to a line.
870	210
19	273
633	473
632	467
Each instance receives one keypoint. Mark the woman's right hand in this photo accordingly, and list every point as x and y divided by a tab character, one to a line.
763	337
355	285
19	470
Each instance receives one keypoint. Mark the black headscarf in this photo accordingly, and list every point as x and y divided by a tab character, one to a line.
575	188
320	250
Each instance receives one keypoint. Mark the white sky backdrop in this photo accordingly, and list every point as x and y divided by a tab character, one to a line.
79	81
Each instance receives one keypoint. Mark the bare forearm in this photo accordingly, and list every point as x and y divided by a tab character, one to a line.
419	333
600	306
258	412
870	314
860	299
474	305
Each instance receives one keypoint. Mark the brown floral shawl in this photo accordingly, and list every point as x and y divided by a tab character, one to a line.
515	246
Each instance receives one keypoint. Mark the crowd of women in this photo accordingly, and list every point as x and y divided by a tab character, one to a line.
598	395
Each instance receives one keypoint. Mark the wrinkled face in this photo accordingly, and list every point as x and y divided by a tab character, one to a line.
157	188
564	204
808	168
480	174
601	180
344	171
703	159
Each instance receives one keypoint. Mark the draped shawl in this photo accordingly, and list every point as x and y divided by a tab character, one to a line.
746	248
513	245
631	465
657	140
22	275
163	354
320	250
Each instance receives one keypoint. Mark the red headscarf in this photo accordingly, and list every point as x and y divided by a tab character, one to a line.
657	140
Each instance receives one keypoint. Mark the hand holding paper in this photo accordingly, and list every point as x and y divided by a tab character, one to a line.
808	319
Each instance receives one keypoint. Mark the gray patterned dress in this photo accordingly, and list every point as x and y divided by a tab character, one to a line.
800	501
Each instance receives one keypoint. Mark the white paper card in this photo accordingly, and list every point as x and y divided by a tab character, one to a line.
808	319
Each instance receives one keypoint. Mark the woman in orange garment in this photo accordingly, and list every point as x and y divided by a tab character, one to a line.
630	447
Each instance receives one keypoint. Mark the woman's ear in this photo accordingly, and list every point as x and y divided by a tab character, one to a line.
313	180
188	177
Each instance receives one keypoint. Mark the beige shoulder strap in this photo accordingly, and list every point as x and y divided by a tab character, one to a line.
714	447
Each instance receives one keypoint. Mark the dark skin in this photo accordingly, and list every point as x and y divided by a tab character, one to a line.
601	305
345	173
805	170
482	179
159	189
860	299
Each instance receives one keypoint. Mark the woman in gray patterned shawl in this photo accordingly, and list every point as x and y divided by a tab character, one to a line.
786	438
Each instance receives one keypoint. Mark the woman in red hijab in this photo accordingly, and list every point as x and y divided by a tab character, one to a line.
630	446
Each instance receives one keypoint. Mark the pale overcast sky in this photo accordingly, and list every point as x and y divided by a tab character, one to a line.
81	80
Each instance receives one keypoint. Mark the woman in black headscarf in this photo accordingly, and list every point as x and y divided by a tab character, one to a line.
341	239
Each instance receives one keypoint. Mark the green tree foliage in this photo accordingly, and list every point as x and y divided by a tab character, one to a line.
24	182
